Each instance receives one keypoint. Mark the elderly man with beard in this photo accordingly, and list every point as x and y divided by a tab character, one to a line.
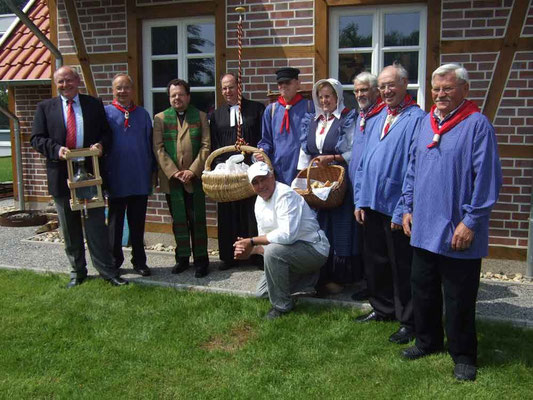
453	181
378	190
235	218
366	93
281	126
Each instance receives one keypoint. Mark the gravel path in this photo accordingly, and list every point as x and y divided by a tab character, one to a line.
500	301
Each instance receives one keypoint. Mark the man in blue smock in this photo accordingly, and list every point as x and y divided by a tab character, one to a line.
281	126
365	89
377	197
452	183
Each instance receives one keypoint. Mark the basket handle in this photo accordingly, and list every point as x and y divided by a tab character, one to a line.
231	149
309	170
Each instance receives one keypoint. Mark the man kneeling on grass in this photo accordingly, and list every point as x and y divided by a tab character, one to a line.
290	240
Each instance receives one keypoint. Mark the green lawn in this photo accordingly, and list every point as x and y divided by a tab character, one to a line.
137	342
6	171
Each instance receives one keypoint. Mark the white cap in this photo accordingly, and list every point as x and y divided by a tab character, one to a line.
258	169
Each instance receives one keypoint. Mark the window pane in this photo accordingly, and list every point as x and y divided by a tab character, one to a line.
164	40
201	71
350	65
200	38
160	102
163	71
402	29
355	31
204	101
349	99
409	60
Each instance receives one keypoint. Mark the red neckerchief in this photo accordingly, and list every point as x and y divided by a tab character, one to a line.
392	112
374	109
468	108
125	111
324	122
288	106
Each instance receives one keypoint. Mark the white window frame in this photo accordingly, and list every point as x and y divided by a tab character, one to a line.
378	50
181	24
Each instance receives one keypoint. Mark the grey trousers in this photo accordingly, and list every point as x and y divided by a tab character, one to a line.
97	239
289	269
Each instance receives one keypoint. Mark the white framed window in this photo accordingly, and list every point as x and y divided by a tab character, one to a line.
179	48
370	38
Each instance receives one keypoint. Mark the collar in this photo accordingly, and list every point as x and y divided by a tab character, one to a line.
440	121
76	98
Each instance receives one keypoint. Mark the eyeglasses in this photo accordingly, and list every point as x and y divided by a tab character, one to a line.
446	90
390	86
362	91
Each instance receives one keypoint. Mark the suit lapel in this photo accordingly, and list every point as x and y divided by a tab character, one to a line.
57	111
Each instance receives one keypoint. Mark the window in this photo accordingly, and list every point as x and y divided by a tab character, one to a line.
179	48
367	39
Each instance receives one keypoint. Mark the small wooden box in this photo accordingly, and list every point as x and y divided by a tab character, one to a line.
75	202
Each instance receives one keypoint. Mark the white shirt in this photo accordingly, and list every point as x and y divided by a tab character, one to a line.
286	218
79	118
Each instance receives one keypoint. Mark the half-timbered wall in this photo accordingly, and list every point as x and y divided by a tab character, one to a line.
491	38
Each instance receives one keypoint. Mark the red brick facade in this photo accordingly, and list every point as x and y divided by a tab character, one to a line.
273	23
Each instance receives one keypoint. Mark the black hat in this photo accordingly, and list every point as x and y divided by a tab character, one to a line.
286	74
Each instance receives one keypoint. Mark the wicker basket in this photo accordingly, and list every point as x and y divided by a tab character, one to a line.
230	187
332	173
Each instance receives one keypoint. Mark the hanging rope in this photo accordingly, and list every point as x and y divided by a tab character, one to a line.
240	140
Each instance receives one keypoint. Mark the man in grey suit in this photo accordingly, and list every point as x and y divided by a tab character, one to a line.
74	120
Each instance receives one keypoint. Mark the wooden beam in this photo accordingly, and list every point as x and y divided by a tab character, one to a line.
272	52
220	46
333	3
506	58
182	10
471	46
79	41
515	151
37	199
432	46
155	227
321	55
98	58
525	44
52	9
134	48
507	253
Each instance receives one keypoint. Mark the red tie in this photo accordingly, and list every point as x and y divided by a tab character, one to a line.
71	125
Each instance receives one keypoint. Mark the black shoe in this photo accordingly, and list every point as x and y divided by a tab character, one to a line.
465	372
225	265
143	270
274	313
372	316
360	295
402	336
181	265
75	282
117	281
201	264
414	353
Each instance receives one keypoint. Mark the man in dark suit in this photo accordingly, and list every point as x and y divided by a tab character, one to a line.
74	120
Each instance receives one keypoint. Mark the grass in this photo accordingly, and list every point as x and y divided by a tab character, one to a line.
138	342
6	171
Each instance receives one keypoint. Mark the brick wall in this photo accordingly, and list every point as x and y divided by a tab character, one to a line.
259	75
34	170
103	76
528	26
480	68
469	19
64	33
268	23
165	2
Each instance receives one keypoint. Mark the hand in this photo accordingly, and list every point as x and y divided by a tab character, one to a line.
407	222
243	248
359	216
395	227
187	176
324	161
97	146
259	156
63	151
462	237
